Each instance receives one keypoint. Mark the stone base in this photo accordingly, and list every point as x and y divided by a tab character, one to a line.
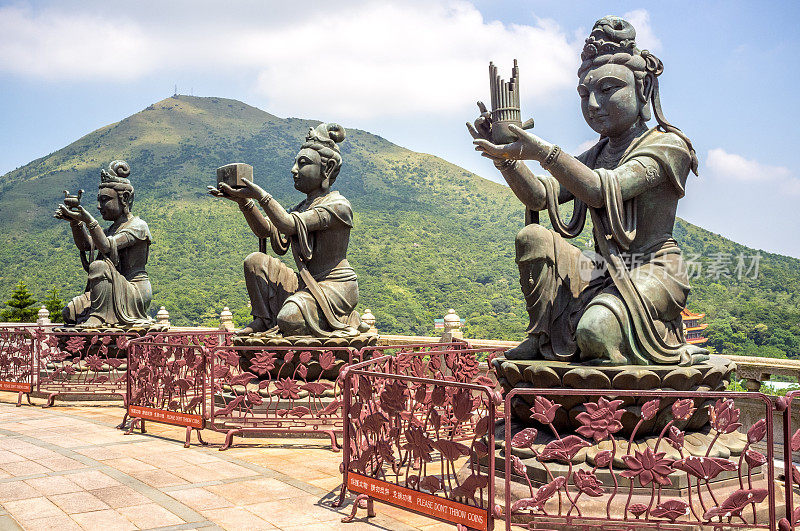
712	375
315	346
64	333
264	339
138	330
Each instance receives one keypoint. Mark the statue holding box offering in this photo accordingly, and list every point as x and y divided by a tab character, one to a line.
118	290
320	298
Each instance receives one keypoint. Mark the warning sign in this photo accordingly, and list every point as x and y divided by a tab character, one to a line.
421	502
167	417
20	387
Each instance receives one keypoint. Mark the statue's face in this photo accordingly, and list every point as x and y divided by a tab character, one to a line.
308	171
109	204
609	101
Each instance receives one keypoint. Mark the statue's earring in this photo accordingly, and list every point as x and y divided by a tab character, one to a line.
645	94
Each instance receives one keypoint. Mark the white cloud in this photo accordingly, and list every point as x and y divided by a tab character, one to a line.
645	36
56	45
361	59
725	166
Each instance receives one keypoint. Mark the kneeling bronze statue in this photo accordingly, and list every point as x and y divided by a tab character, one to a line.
118	291
319	299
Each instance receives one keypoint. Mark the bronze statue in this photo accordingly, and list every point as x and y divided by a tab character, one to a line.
626	310
320	298
118	290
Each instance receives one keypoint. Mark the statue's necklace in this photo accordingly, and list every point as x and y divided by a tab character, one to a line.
609	157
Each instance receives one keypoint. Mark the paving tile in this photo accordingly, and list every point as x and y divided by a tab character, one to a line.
196	457
335	526
232	470
199	473
32	508
93	479
107	520
50	485
120	496
129	464
149	515
36	452
60	464
256	491
282	513
24	468
236	518
329	483
78	502
159	478
10	457
200	498
16	490
59	523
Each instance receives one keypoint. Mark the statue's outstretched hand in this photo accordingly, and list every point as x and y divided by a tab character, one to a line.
483	124
526	147
217	192
63	212
250	190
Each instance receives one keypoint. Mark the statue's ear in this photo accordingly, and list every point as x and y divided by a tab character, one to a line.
328	170
125	198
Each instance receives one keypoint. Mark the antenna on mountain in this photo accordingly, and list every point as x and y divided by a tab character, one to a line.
176	90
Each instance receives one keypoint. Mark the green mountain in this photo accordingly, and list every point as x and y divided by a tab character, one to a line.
428	235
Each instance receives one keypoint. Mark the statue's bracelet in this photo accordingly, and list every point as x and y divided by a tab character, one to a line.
247	205
504	164
92	224
552	157
265	199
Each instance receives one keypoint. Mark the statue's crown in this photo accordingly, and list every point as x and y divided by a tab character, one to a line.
118	172
609	35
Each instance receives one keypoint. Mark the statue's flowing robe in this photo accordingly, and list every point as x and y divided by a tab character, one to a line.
326	299
645	290
118	293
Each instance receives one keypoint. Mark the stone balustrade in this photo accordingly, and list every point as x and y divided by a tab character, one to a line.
753	371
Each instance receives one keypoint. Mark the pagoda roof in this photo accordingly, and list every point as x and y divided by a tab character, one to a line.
687	314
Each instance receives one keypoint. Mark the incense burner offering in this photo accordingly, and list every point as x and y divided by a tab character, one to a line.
72	201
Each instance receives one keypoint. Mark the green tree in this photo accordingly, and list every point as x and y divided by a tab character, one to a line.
54	305
22	306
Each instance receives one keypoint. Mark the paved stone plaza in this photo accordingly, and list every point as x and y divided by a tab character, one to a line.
67	467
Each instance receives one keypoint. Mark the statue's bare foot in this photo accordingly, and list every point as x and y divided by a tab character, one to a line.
257	325
91	322
527	350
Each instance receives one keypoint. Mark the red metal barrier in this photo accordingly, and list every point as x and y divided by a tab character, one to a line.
599	480
17	350
791	444
268	390
416	442
81	363
168	380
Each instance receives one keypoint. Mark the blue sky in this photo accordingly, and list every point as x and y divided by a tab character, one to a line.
411	71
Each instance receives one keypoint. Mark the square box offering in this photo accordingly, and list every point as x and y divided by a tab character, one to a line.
232	174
